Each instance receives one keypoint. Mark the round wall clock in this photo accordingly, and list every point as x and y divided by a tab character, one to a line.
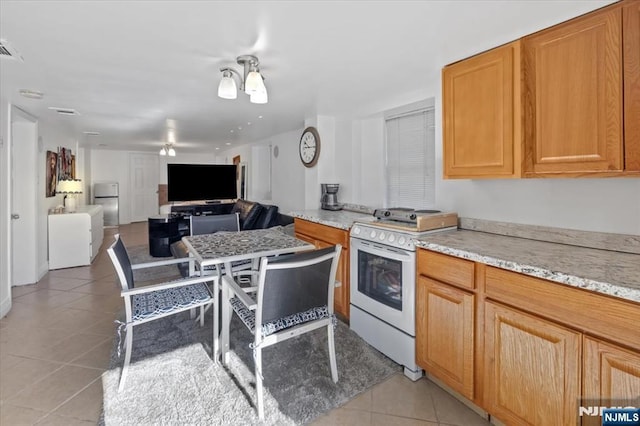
309	147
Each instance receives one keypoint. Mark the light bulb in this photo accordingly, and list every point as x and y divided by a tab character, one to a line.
172	152
163	151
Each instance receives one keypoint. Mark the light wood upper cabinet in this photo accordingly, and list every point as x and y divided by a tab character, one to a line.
532	368
631	66
562	102
573	96
481	113
611	377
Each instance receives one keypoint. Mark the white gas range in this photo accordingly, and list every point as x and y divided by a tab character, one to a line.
383	268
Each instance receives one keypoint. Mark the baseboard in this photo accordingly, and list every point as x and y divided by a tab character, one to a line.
43	270
473	407
5	306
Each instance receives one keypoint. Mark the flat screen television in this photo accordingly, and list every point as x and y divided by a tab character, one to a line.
191	182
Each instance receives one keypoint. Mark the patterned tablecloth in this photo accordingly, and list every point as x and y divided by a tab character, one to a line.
221	247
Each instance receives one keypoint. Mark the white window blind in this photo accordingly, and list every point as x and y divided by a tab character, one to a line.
410	160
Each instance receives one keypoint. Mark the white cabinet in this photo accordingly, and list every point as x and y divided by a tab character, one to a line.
75	238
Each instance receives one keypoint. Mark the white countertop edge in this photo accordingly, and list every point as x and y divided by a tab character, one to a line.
538	272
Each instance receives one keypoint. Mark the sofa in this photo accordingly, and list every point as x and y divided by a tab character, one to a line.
251	214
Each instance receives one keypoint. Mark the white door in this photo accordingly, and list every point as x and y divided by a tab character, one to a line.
23	204
143	170
5	221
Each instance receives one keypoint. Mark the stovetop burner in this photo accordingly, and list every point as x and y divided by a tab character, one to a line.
414	220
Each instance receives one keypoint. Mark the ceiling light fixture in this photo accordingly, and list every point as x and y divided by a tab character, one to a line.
251	81
31	94
168	149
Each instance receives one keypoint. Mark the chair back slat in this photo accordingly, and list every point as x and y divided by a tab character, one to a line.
121	263
290	290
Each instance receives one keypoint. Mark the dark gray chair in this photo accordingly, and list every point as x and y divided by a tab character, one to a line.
294	296
209	224
199	225
155	301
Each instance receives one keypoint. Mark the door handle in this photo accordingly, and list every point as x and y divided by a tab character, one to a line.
15	216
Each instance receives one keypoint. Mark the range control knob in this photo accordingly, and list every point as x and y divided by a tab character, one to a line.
373	234
412	216
392	238
387	213
382	236
401	240
356	230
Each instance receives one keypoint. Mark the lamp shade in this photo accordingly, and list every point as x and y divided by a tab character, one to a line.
259	97
253	82
69	186
171	152
227	87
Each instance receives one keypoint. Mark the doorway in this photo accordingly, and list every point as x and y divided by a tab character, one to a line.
23	149
18	184
143	172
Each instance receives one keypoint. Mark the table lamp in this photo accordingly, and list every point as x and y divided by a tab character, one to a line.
69	187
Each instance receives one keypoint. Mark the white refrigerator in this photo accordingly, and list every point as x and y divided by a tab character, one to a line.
106	195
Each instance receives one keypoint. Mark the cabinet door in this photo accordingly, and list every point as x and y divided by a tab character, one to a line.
532	368
611	378
341	294
481	114
445	334
573	96
631	46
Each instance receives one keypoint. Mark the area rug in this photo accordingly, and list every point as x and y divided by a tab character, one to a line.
140	254
172	379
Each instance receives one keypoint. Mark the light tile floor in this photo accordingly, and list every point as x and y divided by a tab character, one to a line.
56	340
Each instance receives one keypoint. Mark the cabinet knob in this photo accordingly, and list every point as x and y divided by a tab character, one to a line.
15	216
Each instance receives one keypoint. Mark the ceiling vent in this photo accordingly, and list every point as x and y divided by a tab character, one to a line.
65	111
8	51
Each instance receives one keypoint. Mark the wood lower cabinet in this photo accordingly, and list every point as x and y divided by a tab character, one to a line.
611	377
532	368
481	114
445	341
526	350
324	236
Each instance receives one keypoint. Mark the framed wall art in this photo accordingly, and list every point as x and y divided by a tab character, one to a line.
51	173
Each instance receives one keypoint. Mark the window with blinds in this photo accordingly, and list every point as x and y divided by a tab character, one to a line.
410	160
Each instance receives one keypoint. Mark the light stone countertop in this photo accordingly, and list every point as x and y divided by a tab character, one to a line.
603	271
341	219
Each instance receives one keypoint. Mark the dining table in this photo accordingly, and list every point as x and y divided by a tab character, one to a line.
223	249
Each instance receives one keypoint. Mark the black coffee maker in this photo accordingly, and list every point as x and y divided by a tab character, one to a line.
329	199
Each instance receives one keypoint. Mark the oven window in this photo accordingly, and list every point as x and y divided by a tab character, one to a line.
380	279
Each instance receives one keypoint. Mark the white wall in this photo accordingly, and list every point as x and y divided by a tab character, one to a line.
204	158
287	172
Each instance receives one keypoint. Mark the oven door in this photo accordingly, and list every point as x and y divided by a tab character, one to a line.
383	283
